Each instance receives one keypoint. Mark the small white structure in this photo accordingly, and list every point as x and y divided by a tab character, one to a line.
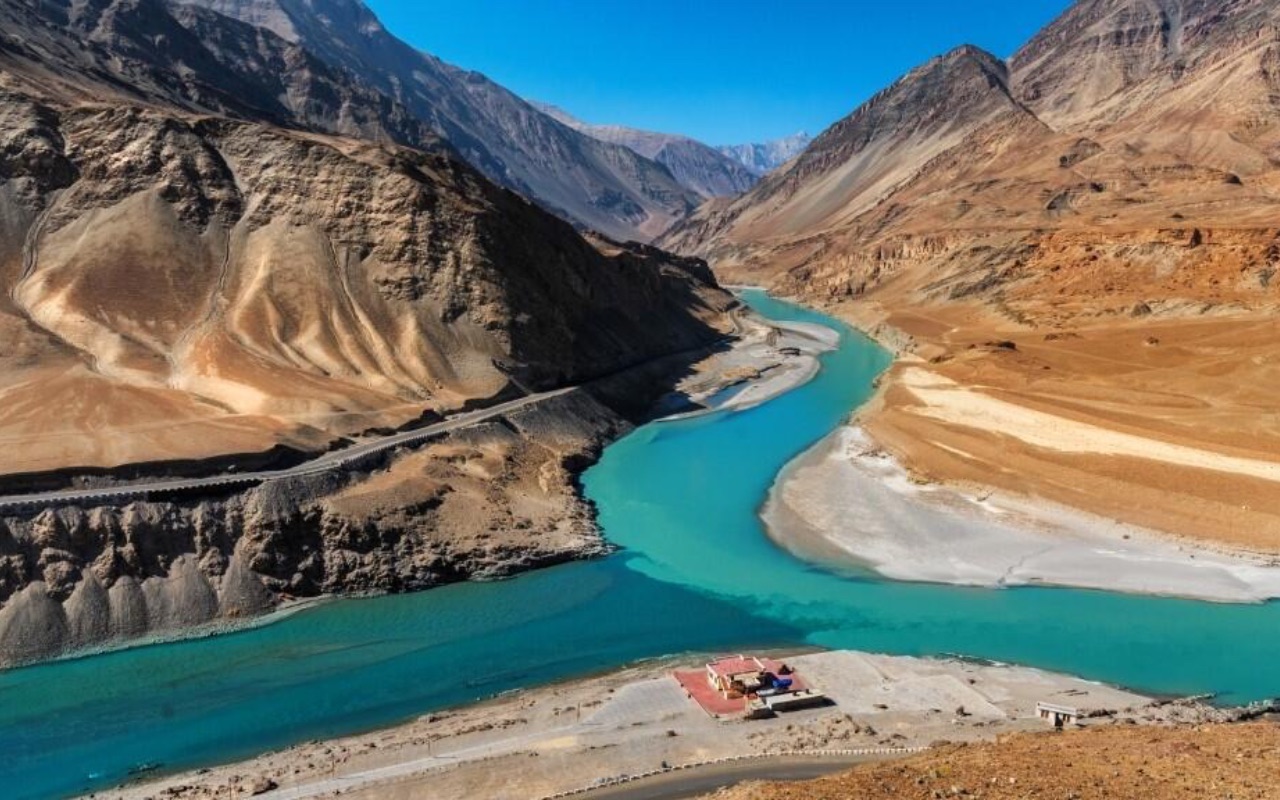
804	698
1060	716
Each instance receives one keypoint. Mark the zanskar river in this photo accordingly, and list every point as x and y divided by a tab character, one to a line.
695	573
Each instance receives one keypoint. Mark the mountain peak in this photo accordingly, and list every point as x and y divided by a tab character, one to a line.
946	92
764	157
882	145
974	53
957	64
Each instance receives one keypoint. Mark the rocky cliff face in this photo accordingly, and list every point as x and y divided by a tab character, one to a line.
212	244
480	503
593	183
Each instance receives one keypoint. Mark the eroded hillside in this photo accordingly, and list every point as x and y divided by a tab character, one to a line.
288	281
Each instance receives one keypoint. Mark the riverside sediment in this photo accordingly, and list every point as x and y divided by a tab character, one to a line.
848	501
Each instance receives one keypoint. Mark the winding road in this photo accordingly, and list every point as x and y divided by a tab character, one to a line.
325	462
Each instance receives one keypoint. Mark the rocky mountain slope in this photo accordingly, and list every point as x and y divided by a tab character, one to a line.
698	167
764	157
860	160
183	57
602	186
211	246
1104	203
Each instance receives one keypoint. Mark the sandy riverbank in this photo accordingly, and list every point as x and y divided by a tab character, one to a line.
538	742
846	500
769	359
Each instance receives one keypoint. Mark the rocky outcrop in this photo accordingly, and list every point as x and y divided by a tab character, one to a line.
479	503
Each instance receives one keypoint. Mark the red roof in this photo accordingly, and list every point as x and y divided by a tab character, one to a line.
733	665
736	665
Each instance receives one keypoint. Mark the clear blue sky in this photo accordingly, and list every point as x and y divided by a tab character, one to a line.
723	71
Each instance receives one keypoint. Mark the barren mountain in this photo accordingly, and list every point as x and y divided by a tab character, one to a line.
212	247
1103	208
145	52
1102	60
764	157
699	168
860	160
602	186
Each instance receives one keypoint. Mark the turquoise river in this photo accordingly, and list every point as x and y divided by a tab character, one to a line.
695	572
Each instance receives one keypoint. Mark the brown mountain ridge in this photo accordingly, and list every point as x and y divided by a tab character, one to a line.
599	185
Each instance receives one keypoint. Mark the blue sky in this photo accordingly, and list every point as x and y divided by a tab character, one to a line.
720	71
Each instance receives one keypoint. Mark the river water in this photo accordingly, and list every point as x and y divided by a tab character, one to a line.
695	573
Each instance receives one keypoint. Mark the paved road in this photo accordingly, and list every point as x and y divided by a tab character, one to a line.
418	766
700	781
323	463
690	782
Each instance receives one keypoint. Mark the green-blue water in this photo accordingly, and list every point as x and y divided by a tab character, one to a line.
696	573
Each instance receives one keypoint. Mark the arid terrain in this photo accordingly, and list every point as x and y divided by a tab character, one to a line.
232	255
1125	763
1073	252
